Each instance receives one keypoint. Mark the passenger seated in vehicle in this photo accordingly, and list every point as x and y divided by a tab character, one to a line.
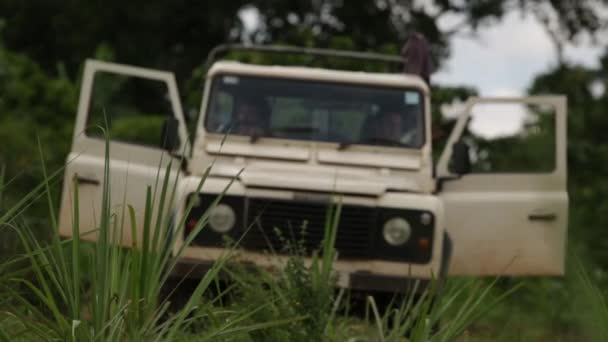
389	125
392	126
251	117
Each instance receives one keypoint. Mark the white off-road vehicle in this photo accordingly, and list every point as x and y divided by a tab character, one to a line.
294	139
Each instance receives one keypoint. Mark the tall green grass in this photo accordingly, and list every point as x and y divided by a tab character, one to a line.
76	291
79	292
591	304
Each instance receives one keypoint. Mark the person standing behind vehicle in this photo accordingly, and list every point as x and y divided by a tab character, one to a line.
416	53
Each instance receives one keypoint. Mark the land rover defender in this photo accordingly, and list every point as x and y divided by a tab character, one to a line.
292	139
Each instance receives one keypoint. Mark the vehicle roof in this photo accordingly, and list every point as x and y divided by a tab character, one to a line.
318	74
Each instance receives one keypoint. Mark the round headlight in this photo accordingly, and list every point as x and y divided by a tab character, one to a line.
222	218
397	231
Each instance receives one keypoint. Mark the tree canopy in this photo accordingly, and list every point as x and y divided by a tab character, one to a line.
177	35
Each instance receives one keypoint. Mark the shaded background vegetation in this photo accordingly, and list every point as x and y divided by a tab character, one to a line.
43	45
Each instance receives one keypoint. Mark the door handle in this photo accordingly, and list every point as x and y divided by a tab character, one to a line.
86	181
547	217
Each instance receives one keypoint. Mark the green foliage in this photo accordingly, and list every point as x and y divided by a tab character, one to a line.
32	104
138	129
591	304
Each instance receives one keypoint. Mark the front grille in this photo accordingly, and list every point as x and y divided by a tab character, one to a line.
275	225
284	226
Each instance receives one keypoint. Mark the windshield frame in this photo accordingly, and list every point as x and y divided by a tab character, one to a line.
213	85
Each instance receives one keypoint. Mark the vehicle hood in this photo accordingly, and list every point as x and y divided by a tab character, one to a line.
372	182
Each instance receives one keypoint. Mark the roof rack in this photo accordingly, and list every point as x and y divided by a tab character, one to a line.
223	49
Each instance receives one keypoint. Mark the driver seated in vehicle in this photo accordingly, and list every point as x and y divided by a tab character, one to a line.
251	117
392	126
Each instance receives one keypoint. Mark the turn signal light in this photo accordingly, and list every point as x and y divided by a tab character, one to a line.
190	225
424	243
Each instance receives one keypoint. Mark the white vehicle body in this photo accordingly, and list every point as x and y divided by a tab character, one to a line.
499	223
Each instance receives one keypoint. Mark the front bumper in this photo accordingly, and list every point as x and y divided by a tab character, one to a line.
364	281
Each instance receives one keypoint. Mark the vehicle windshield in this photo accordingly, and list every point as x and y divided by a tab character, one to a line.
310	110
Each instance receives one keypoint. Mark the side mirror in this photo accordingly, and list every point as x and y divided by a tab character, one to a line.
169	138
460	163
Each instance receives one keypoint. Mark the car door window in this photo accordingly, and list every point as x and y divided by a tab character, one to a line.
511	138
133	109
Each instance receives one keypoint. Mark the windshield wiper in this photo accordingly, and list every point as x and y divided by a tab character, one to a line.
296	129
379	141
253	138
344	145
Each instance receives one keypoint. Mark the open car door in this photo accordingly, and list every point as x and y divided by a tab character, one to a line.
508	214
133	105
